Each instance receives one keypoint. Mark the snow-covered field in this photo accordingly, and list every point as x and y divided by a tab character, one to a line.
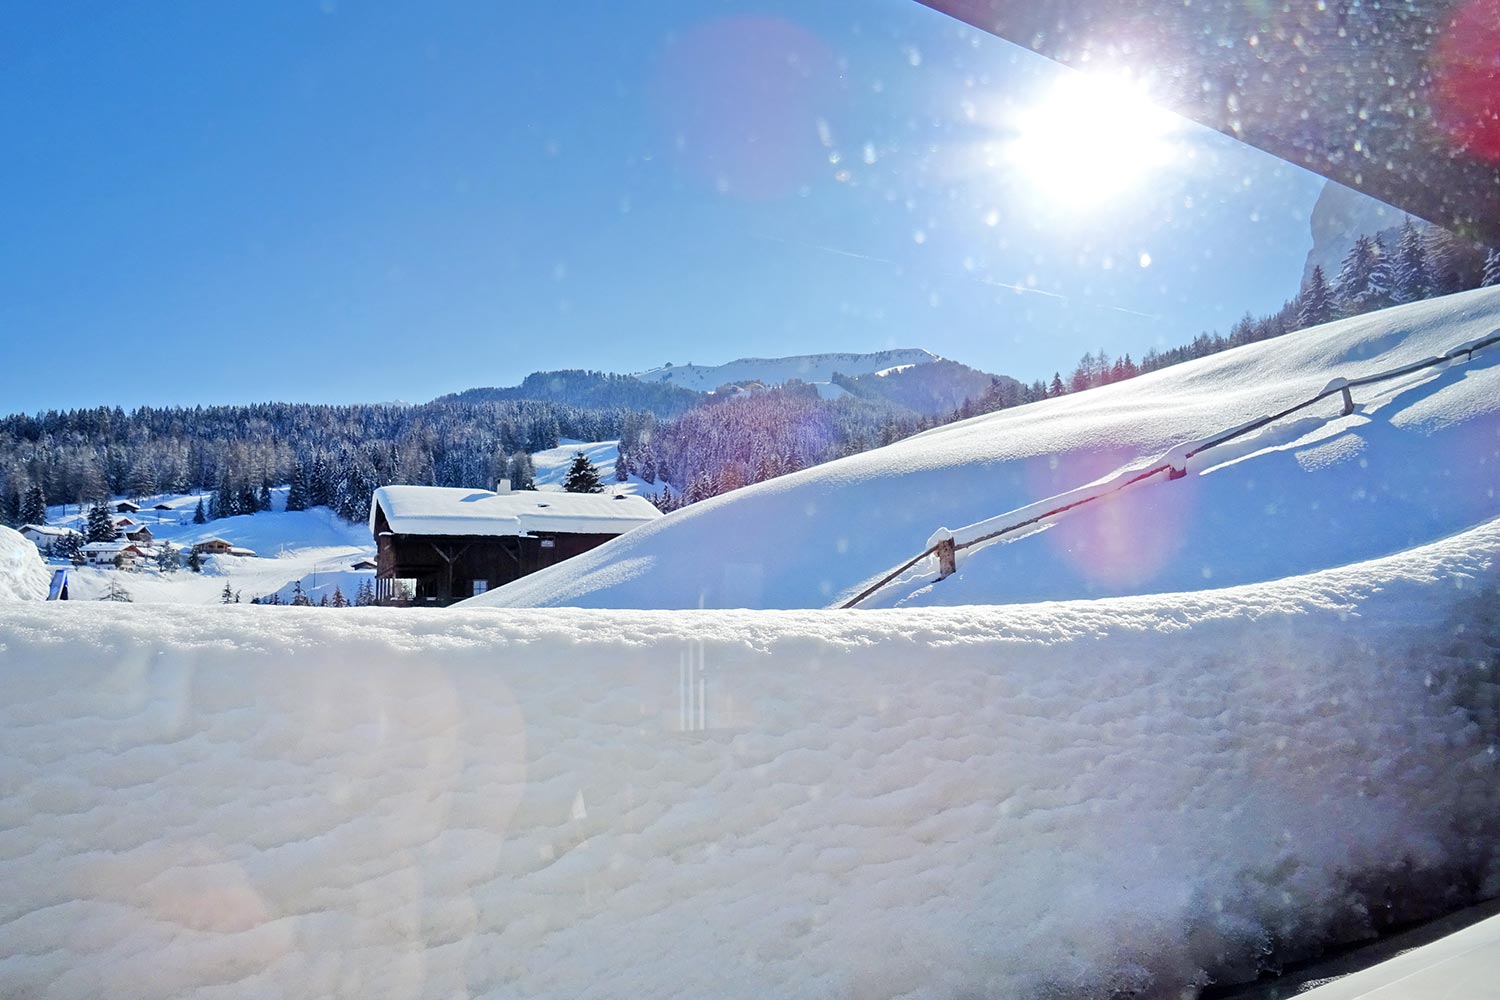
1054	800
1417	462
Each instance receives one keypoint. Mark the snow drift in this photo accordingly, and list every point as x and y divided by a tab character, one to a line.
1053	800
23	575
1418	461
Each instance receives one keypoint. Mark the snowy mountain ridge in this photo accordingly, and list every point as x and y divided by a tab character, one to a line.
813	368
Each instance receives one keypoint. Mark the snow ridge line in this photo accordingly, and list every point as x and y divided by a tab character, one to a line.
945	544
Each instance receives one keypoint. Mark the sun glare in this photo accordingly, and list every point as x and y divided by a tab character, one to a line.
1090	139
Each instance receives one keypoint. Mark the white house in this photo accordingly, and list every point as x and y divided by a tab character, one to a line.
44	536
105	554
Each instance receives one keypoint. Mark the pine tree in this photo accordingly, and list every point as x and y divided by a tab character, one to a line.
195	562
116	593
1491	269
68	546
299	596
323	601
521	472
1056	388
200	516
263	498
1364	280
34	505
100	526
227	596
339	600
1413	278
583	476
296	497
1316	301
622	467
168	558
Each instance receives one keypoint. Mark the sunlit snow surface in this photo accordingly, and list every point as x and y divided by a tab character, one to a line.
23	575
1418	461
266	802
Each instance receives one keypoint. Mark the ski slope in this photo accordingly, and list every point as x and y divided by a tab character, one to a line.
1418	461
1127	796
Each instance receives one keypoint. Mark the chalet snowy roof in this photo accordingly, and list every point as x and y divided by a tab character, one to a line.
93	547
438	510
45	529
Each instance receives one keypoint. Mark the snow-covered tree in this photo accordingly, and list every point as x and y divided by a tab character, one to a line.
226	596
583	476
116	592
100	527
1491	269
1364	281
195	561
622	467
1056	388
1315	305
168	558
1413	278
69	547
34	505
299	596
521	472
339	600
200	516
296	497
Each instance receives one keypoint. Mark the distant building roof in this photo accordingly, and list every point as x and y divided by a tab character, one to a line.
46	529
127	505
437	510
101	547
162	506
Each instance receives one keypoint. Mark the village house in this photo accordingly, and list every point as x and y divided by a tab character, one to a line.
106	554
126	507
219	547
44	536
140	533
438	545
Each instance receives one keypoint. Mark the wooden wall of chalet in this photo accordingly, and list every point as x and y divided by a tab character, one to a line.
446	566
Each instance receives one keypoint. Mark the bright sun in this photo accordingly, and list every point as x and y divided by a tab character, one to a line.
1090	139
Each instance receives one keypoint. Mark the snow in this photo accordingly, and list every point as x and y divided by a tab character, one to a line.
1418	460
23	575
310	546
1461	964
815	368
437	510
1004	801
552	465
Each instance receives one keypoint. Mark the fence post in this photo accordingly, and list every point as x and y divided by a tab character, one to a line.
1348	401
947	559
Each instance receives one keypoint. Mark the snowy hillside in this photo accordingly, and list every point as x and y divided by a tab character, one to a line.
1121	797
816	368
23	576
313	548
1417	462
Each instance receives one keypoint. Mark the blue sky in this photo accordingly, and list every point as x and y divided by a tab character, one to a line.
359	202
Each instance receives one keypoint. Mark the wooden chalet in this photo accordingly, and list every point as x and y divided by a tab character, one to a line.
436	545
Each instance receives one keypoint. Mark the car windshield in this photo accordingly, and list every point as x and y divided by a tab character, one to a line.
926	499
